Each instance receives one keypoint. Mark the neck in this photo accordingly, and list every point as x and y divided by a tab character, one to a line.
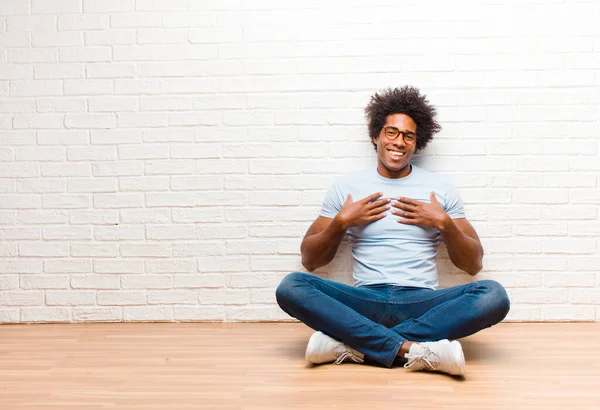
390	174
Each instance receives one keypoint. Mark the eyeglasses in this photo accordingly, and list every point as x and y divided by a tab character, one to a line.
392	133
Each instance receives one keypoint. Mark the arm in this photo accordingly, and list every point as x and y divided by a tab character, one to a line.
321	242
464	248
324	236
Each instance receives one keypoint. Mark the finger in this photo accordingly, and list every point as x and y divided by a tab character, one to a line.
409	201
376	217
433	199
371	197
405	214
378	210
348	199
405	207
408	221
377	204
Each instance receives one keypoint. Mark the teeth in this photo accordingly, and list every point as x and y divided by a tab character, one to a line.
397	153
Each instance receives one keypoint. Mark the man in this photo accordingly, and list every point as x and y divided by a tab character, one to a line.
394	217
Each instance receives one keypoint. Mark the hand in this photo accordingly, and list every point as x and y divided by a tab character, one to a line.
413	212
364	211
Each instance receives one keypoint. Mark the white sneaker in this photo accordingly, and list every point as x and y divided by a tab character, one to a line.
441	356
324	349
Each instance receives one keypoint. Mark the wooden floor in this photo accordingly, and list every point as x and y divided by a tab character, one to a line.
254	366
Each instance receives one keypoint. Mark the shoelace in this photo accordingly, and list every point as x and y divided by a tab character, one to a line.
342	353
426	357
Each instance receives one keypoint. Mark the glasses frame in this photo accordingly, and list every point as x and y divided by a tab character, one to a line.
384	129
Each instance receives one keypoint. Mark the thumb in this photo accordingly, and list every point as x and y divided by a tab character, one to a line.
433	198
348	199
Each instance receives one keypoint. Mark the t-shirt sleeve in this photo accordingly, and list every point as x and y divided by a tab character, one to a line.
333	202
453	204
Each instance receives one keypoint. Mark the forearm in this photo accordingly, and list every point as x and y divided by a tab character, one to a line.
465	252
320	248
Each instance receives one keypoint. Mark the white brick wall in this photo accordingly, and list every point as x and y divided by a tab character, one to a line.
161	159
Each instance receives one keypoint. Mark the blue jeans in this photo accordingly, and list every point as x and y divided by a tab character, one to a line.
377	319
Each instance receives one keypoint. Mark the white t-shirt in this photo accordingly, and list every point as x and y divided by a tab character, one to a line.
386	251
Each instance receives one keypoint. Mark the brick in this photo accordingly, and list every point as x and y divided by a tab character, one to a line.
91	153
109	37
174	232
56	38
160	69
96	314
116	137
171	265
95	217
197	215
63	137
56	7
30	23
223	264
199	281
67	266
40	121
108	6
118	200
66	169
566	313
170	199
70	298
65	201
61	105
62	233
147	313
45	315
20	266
150	250
86	54
199	314
194	183
87	121
109	70
95	281
169	167
118	168
19	233
21	298
117	233
93	250
145	216
44	249
18	201
146	282
174	297
88	87
192	249
9	282
135	19
223	296
122	297
144	184
83	22
162	36
118	266
35	88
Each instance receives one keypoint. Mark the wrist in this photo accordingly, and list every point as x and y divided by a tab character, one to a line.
338	224
446	224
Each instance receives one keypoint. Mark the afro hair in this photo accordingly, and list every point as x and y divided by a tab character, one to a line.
406	100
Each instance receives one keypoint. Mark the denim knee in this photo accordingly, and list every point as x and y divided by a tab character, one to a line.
286	291
495	299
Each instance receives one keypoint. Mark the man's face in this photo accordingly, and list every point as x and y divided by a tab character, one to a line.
394	154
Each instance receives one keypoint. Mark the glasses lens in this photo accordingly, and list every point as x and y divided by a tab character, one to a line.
391	132
410	138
